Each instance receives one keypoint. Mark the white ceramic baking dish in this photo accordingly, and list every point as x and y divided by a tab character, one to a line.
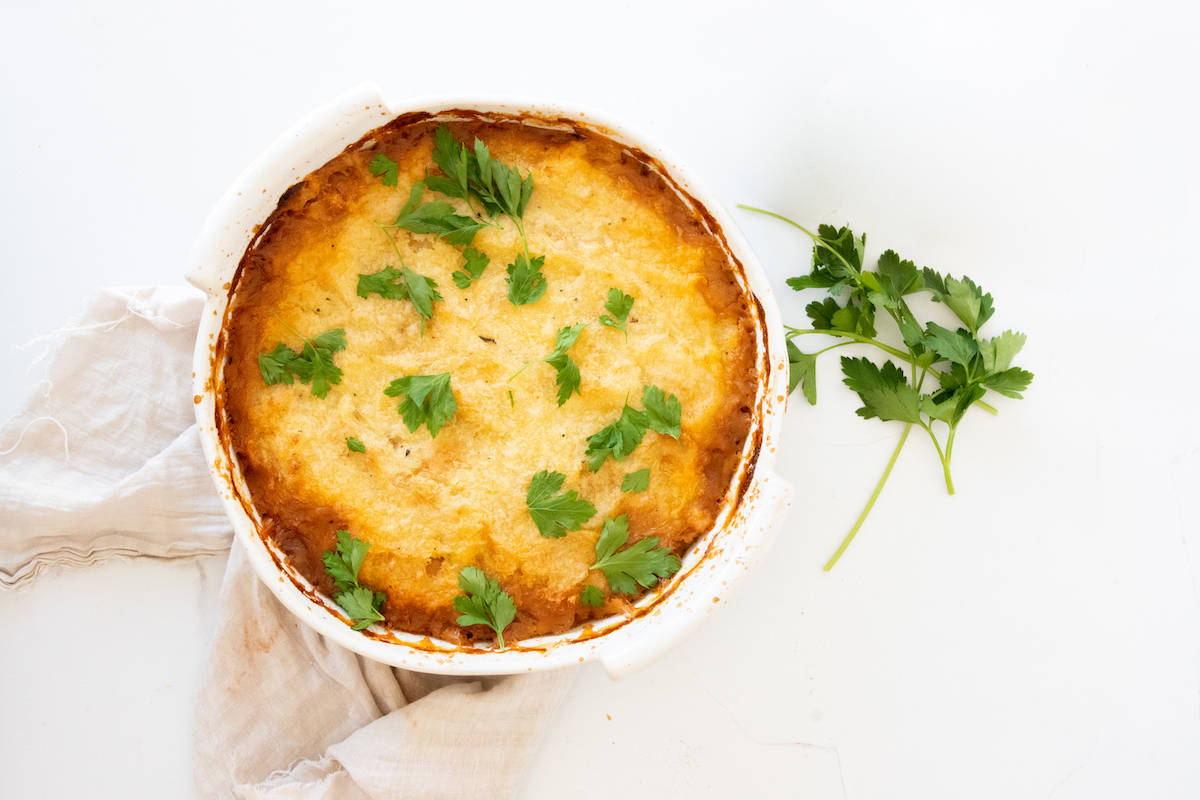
621	644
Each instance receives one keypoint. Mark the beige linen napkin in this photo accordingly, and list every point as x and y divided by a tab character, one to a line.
104	461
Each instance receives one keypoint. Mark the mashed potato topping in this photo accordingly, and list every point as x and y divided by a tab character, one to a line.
604	217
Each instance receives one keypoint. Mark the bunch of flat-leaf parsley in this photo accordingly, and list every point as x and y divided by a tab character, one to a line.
963	364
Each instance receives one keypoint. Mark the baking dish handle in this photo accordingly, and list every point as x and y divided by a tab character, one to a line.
253	195
626	655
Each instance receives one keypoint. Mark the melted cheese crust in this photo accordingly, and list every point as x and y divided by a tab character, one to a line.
432	506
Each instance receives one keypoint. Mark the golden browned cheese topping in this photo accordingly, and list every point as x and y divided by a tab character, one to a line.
431	506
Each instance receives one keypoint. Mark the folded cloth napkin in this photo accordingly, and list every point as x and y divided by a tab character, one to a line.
104	461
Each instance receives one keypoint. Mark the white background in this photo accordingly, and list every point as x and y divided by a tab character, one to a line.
1033	636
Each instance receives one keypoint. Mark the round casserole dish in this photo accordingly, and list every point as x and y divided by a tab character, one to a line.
622	643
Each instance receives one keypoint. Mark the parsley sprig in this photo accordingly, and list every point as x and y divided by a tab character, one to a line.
401	284
474	176
343	565
618	304
639	565
484	603
428	400
661	413
556	513
568	379
964	364
313	363
476	263
637	481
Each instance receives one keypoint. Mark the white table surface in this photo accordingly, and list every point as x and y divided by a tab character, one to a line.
1034	636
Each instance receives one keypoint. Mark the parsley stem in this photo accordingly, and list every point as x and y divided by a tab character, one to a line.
289	327
395	246
524	242
816	239
858	337
779	216
944	457
946	462
522	369
870	503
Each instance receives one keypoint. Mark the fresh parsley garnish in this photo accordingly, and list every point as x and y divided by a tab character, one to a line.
618	438
355	444
591	596
455	161
388	283
436	216
313	363
662	413
568	372
476	263
555	514
472	175
484	603
343	565
412	286
964	365
526	284
640	564
385	169
428	401
618	304
637	481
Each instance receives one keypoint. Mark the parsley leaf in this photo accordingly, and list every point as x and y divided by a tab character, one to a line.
618	304
621	437
314	363
1010	383
422	291
568	372
412	286
663	411
821	313
387	170
618	438
454	160
896	279
885	393
428	401
484	603
436	216
591	596
555	514
362	605
999	351
525	282
343	565
964	298
957	346
803	372
476	263
640	564
499	187
279	365
355	444
383	284
637	481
